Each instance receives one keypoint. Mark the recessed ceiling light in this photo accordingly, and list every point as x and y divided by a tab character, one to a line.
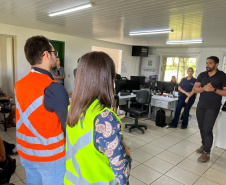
196	41
72	9
150	32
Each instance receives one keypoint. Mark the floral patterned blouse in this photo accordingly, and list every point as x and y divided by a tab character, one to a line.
108	140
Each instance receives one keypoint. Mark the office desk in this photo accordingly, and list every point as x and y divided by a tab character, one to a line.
123	101
220	131
163	102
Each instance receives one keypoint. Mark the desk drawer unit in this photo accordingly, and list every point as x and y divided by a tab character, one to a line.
162	104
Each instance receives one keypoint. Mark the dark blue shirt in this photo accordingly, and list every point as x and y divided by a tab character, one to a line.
187	85
109	142
55	98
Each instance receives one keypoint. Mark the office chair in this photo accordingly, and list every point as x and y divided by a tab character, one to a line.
4	120
124	78
116	100
143	97
4	111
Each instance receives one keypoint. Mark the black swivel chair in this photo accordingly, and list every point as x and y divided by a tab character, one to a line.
143	97
4	111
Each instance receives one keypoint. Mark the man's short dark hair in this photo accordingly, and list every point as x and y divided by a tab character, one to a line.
214	58
34	48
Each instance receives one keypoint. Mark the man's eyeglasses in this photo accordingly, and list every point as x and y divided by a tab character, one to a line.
55	53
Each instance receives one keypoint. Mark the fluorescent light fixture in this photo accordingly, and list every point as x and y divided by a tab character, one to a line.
150	32
69	10
196	41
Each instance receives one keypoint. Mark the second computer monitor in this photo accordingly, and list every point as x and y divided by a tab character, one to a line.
168	87
160	86
120	85
141	79
132	85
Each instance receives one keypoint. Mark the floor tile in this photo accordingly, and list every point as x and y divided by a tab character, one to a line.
134	181
147	137
20	171
170	157
14	178
132	144
159	165
179	134
135	163
194	140
156	132
138	141
165	180
19	183
193	166
140	156
219	165
204	181
151	149
182	175
215	176
145	174
162	143
180	151
188	145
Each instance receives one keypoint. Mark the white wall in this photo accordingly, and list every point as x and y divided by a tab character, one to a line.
200	53
6	65
75	47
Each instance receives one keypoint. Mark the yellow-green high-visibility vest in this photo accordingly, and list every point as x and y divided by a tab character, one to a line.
85	165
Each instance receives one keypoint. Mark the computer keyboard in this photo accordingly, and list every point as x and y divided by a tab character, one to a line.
125	94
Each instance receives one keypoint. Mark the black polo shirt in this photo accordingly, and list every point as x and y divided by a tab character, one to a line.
211	100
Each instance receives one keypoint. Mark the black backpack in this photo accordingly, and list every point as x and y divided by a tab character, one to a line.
7	169
160	120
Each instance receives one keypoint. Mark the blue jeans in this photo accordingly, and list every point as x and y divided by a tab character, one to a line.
187	106
44	173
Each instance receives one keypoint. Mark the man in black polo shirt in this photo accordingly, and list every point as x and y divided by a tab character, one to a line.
211	85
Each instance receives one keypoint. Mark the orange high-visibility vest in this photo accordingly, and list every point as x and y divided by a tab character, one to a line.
40	137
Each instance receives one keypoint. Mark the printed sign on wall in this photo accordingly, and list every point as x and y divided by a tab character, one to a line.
150	65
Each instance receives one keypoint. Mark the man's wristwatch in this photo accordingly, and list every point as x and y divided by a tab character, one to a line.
215	89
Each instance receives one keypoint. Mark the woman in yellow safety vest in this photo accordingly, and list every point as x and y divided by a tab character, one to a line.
95	151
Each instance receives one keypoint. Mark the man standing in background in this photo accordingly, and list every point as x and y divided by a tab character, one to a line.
74	71
41	111
211	85
58	72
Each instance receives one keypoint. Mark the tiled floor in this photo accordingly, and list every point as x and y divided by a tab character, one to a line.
160	156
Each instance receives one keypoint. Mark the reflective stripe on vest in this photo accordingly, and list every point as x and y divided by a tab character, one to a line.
38	139
70	154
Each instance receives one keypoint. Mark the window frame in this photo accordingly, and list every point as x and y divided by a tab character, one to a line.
179	56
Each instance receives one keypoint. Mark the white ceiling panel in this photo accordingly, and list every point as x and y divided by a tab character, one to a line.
112	20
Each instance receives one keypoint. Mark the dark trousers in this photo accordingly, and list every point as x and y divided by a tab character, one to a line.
8	147
187	106
206	119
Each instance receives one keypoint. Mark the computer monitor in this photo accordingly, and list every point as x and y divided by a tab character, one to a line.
132	85
120	85
152	84
160	86
168	87
138	78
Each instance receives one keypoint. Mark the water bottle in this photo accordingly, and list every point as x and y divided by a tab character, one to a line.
118	111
